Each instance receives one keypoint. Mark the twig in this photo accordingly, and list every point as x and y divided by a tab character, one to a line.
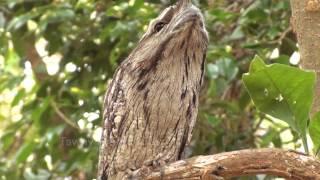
282	36
62	116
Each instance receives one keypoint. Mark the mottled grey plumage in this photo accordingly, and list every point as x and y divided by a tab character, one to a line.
151	104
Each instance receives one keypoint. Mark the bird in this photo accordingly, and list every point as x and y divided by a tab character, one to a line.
151	105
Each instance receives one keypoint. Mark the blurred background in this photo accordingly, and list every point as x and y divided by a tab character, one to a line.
56	57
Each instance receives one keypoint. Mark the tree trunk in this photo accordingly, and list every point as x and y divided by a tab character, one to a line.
306	25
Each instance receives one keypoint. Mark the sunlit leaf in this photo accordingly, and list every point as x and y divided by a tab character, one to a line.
281	91
41	175
271	136
21	93
12	61
24	151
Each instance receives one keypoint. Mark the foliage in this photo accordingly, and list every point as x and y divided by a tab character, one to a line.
56	57
283	92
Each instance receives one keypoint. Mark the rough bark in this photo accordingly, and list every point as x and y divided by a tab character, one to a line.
277	162
306	24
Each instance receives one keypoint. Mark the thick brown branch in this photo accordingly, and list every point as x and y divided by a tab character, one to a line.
277	162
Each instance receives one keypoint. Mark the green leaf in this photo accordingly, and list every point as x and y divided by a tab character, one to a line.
281	91
42	174
19	96
21	20
37	113
271	136
56	14
225	68
12	61
6	140
13	3
222	14
137	4
213	71
213	120
51	138
283	59
2	20
314	130
236	34
25	150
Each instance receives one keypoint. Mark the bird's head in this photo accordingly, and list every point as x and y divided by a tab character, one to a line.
179	27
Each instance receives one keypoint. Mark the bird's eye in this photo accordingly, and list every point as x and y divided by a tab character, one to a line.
159	26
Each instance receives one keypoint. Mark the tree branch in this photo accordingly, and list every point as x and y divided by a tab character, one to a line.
63	116
283	163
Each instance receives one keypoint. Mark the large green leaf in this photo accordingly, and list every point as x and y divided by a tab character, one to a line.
281	91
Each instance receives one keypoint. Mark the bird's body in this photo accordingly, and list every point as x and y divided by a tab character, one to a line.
151	104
